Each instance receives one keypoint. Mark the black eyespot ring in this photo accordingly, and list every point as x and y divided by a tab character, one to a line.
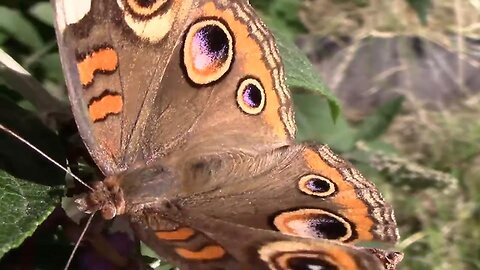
315	223
304	262
146	9
295	255
317	185
208	51
251	96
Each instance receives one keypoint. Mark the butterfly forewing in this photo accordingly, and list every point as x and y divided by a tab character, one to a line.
147	79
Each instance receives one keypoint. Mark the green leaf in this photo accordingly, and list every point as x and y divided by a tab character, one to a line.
19	28
52	67
421	7
23	206
43	12
282	14
3	38
19	159
158	263
376	124
314	122
300	74
50	109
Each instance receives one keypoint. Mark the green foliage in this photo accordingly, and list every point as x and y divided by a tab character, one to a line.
29	190
24	205
13	152
282	18
300	74
16	26
315	123
43	12
378	123
156	262
421	7
281	14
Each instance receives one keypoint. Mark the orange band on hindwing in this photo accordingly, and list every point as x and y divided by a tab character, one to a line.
103	59
212	252
177	235
108	103
208	252
345	195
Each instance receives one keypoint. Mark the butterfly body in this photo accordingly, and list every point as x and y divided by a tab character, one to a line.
183	106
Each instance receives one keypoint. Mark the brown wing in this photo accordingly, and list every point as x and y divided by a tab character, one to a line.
220	208
200	242
149	79
303	190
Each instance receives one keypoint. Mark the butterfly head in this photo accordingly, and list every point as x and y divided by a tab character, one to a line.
106	197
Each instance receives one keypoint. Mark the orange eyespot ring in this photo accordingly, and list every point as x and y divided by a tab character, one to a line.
305	260
295	255
208	51
145	9
316	185
315	223
251	96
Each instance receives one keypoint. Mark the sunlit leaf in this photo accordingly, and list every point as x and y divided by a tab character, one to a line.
23	206
19	28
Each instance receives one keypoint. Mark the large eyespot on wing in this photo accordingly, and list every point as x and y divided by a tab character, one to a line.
315	223
291	255
208	51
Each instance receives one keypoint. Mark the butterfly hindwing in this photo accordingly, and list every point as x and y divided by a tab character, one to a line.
304	190
201	242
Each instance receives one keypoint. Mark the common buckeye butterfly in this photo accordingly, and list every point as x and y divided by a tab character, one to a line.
183	106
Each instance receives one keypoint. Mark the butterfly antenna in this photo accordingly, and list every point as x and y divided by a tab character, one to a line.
18	137
79	241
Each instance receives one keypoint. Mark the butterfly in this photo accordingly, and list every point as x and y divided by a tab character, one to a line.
184	108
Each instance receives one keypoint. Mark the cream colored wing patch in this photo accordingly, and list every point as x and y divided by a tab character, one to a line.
70	12
152	20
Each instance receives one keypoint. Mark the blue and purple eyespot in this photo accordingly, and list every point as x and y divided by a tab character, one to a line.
208	55
316	185
297	255
210	46
208	51
300	262
315	223
146	3
251	96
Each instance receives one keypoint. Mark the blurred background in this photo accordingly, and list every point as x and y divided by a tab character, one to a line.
405	73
